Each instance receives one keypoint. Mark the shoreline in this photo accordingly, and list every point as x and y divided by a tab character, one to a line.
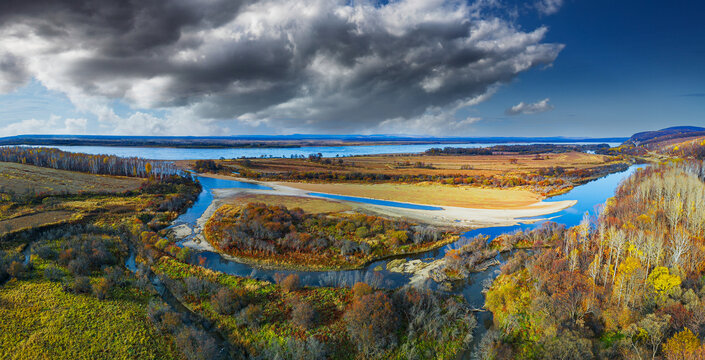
461	219
448	216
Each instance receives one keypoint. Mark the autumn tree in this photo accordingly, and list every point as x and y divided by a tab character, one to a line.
371	323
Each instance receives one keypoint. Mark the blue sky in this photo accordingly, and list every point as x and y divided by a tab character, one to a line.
627	66
604	68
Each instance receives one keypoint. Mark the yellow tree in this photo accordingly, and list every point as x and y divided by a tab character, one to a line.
682	346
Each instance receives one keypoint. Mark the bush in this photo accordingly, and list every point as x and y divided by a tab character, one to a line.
162	244
196	345
163	319
288	283
184	254
198	287
303	314
78	266
361	289
16	269
372	324
226	301
115	276
45	252
362	232
251	315
101	289
82	285
52	273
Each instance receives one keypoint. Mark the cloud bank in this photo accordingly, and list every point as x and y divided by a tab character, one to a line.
223	66
535	108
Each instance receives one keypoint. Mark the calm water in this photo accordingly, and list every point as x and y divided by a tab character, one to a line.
206	197
230	153
377	202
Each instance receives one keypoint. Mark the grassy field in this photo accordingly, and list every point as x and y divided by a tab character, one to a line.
34	220
309	205
41	321
32	197
433	165
20	179
431	194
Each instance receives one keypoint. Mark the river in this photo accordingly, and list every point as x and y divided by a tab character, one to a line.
589	196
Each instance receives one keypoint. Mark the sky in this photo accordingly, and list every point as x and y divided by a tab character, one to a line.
584	68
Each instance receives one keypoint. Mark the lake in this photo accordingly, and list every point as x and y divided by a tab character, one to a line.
158	153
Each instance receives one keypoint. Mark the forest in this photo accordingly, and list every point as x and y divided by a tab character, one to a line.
93	164
626	284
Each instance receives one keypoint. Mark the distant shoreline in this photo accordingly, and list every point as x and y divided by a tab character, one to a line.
264	142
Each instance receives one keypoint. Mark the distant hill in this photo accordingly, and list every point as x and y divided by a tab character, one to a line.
671	133
273	141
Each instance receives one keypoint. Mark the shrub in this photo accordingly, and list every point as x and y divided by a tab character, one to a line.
226	301
288	283
78	266
361	289
398	237
303	314
162	244
184	254
251	315
171	321
196	345
66	255
163	319
52	273
198	287
115	275
101	289
16	269
371	324
82	285
45	252
362	232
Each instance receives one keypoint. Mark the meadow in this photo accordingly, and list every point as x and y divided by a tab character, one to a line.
21	179
540	173
307	204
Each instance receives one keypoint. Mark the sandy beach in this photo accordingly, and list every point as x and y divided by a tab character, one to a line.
447	216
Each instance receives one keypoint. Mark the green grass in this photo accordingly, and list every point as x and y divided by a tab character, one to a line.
38	320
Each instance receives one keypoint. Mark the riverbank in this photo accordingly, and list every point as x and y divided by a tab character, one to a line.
456	218
484	214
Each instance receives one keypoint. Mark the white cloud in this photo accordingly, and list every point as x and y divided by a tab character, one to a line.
535	108
54	125
549	7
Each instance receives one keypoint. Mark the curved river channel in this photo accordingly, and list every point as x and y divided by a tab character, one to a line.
589	196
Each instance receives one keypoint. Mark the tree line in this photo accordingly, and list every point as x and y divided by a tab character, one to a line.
93	164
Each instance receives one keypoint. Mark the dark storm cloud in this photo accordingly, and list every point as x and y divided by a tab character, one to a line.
321	64
12	72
